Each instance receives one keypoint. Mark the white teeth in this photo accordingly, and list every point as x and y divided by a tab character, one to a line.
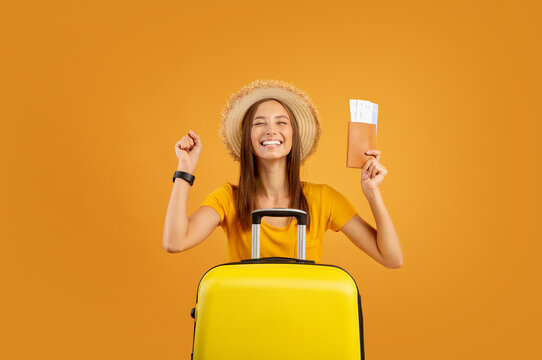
275	142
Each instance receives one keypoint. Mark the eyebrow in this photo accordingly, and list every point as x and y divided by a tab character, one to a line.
263	117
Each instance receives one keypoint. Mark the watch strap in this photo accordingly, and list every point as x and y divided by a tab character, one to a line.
185	176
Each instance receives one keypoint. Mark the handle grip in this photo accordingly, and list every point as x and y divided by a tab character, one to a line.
275	260
301	217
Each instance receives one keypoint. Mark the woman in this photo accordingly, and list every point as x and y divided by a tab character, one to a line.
271	127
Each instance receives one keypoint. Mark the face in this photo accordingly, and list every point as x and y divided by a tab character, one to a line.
272	131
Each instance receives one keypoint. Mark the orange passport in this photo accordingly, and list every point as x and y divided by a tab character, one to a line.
361	138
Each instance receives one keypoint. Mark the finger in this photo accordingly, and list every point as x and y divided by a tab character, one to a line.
371	163
190	142
371	171
375	168
366	165
195	137
381	170
374	171
184	144
365	173
374	153
180	142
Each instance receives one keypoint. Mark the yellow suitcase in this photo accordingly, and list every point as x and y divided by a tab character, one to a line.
277	308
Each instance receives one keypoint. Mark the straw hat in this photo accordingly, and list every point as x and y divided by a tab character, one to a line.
300	104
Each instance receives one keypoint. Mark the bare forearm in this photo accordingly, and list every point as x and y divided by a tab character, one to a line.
176	225
386	237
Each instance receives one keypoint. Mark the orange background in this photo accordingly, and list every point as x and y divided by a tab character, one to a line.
94	96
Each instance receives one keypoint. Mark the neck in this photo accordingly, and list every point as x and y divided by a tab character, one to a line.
272	180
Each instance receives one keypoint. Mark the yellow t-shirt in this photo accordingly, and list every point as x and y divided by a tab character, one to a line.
328	210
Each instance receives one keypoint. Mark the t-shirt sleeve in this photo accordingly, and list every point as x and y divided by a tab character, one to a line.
220	200
339	208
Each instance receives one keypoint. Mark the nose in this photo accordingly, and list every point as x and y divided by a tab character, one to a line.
271	130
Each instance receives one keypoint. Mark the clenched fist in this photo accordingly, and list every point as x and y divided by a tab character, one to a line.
373	172
188	150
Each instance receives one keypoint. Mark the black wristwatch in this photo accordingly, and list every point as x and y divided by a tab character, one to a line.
185	176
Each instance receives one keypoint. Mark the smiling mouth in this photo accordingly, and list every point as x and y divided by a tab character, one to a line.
271	144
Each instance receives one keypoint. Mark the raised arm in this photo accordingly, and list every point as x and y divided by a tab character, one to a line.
382	243
180	231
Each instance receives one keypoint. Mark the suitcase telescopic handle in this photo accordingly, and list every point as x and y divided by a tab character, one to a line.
301	217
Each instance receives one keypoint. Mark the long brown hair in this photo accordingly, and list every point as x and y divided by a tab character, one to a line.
245	191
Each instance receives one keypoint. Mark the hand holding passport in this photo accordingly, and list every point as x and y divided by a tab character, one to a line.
361	132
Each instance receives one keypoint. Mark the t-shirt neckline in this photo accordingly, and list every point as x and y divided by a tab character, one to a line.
277	228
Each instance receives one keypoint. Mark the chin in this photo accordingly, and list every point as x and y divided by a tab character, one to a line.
270	156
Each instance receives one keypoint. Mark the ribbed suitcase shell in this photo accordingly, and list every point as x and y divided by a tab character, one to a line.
282	310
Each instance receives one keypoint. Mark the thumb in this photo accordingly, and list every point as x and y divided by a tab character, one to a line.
196	138
374	153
